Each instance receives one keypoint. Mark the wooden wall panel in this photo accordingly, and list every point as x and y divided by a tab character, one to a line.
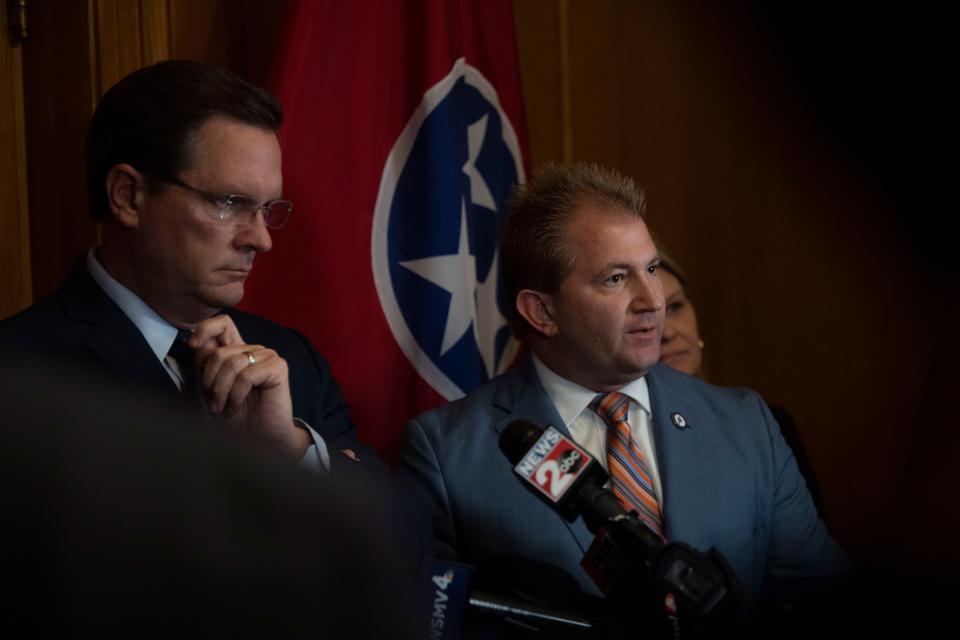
202	31
154	31
58	97
15	281
116	41
540	33
240	35
126	36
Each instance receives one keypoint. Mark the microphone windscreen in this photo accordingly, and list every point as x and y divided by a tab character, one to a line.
518	438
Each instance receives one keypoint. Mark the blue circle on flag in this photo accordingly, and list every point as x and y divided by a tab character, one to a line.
442	231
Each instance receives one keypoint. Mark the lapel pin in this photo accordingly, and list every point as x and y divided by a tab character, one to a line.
679	421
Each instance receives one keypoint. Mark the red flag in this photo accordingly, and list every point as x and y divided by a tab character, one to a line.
402	136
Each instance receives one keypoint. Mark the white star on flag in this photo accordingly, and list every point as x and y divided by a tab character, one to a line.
457	275
479	191
471	301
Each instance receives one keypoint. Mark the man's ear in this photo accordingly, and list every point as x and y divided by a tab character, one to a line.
125	186
537	309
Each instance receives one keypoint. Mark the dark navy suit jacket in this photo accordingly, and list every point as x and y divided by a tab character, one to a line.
82	326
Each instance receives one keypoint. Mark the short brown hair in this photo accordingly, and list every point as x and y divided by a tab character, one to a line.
149	120
533	242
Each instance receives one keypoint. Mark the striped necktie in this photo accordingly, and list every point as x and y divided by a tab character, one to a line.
629	473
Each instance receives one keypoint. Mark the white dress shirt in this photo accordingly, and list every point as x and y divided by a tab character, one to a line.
589	430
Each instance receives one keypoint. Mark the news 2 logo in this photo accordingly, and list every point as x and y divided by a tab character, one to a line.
552	464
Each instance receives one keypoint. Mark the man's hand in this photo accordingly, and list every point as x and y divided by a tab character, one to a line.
247	387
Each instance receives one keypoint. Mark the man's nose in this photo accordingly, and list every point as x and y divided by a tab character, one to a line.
255	235
647	295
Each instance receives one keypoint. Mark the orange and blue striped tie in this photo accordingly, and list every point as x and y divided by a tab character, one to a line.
629	473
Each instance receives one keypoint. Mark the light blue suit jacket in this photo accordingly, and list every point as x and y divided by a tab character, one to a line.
729	481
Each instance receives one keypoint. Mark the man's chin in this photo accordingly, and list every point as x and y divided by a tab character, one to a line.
225	296
638	367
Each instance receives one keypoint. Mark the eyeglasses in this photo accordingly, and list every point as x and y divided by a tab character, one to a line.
240	210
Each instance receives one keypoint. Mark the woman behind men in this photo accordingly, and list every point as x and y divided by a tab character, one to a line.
682	348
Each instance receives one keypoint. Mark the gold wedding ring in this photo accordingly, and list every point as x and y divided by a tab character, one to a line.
250	359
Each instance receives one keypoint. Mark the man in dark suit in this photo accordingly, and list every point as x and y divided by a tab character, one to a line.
117	525
699	464
184	173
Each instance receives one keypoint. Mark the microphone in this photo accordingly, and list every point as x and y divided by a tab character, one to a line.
512	592
571	482
554	466
448	588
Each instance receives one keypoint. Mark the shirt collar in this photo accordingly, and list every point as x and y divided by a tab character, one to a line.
571	399
158	333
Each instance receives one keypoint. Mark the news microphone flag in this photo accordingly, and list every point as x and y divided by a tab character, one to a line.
403	134
553	464
449	591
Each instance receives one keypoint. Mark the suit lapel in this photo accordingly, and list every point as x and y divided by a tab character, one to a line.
521	397
113	339
679	458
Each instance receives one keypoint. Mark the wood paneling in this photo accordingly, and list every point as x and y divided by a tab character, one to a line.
240	35
116	42
15	274
539	38
202	31
127	35
154	31
58	99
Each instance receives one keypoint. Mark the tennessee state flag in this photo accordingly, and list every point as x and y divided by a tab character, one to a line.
403	135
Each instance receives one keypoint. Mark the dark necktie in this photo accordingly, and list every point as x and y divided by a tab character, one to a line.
185	356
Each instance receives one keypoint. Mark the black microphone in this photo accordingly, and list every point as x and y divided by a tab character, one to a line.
511	592
555	467
568	479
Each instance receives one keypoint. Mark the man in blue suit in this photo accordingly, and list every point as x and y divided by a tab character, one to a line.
702	465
